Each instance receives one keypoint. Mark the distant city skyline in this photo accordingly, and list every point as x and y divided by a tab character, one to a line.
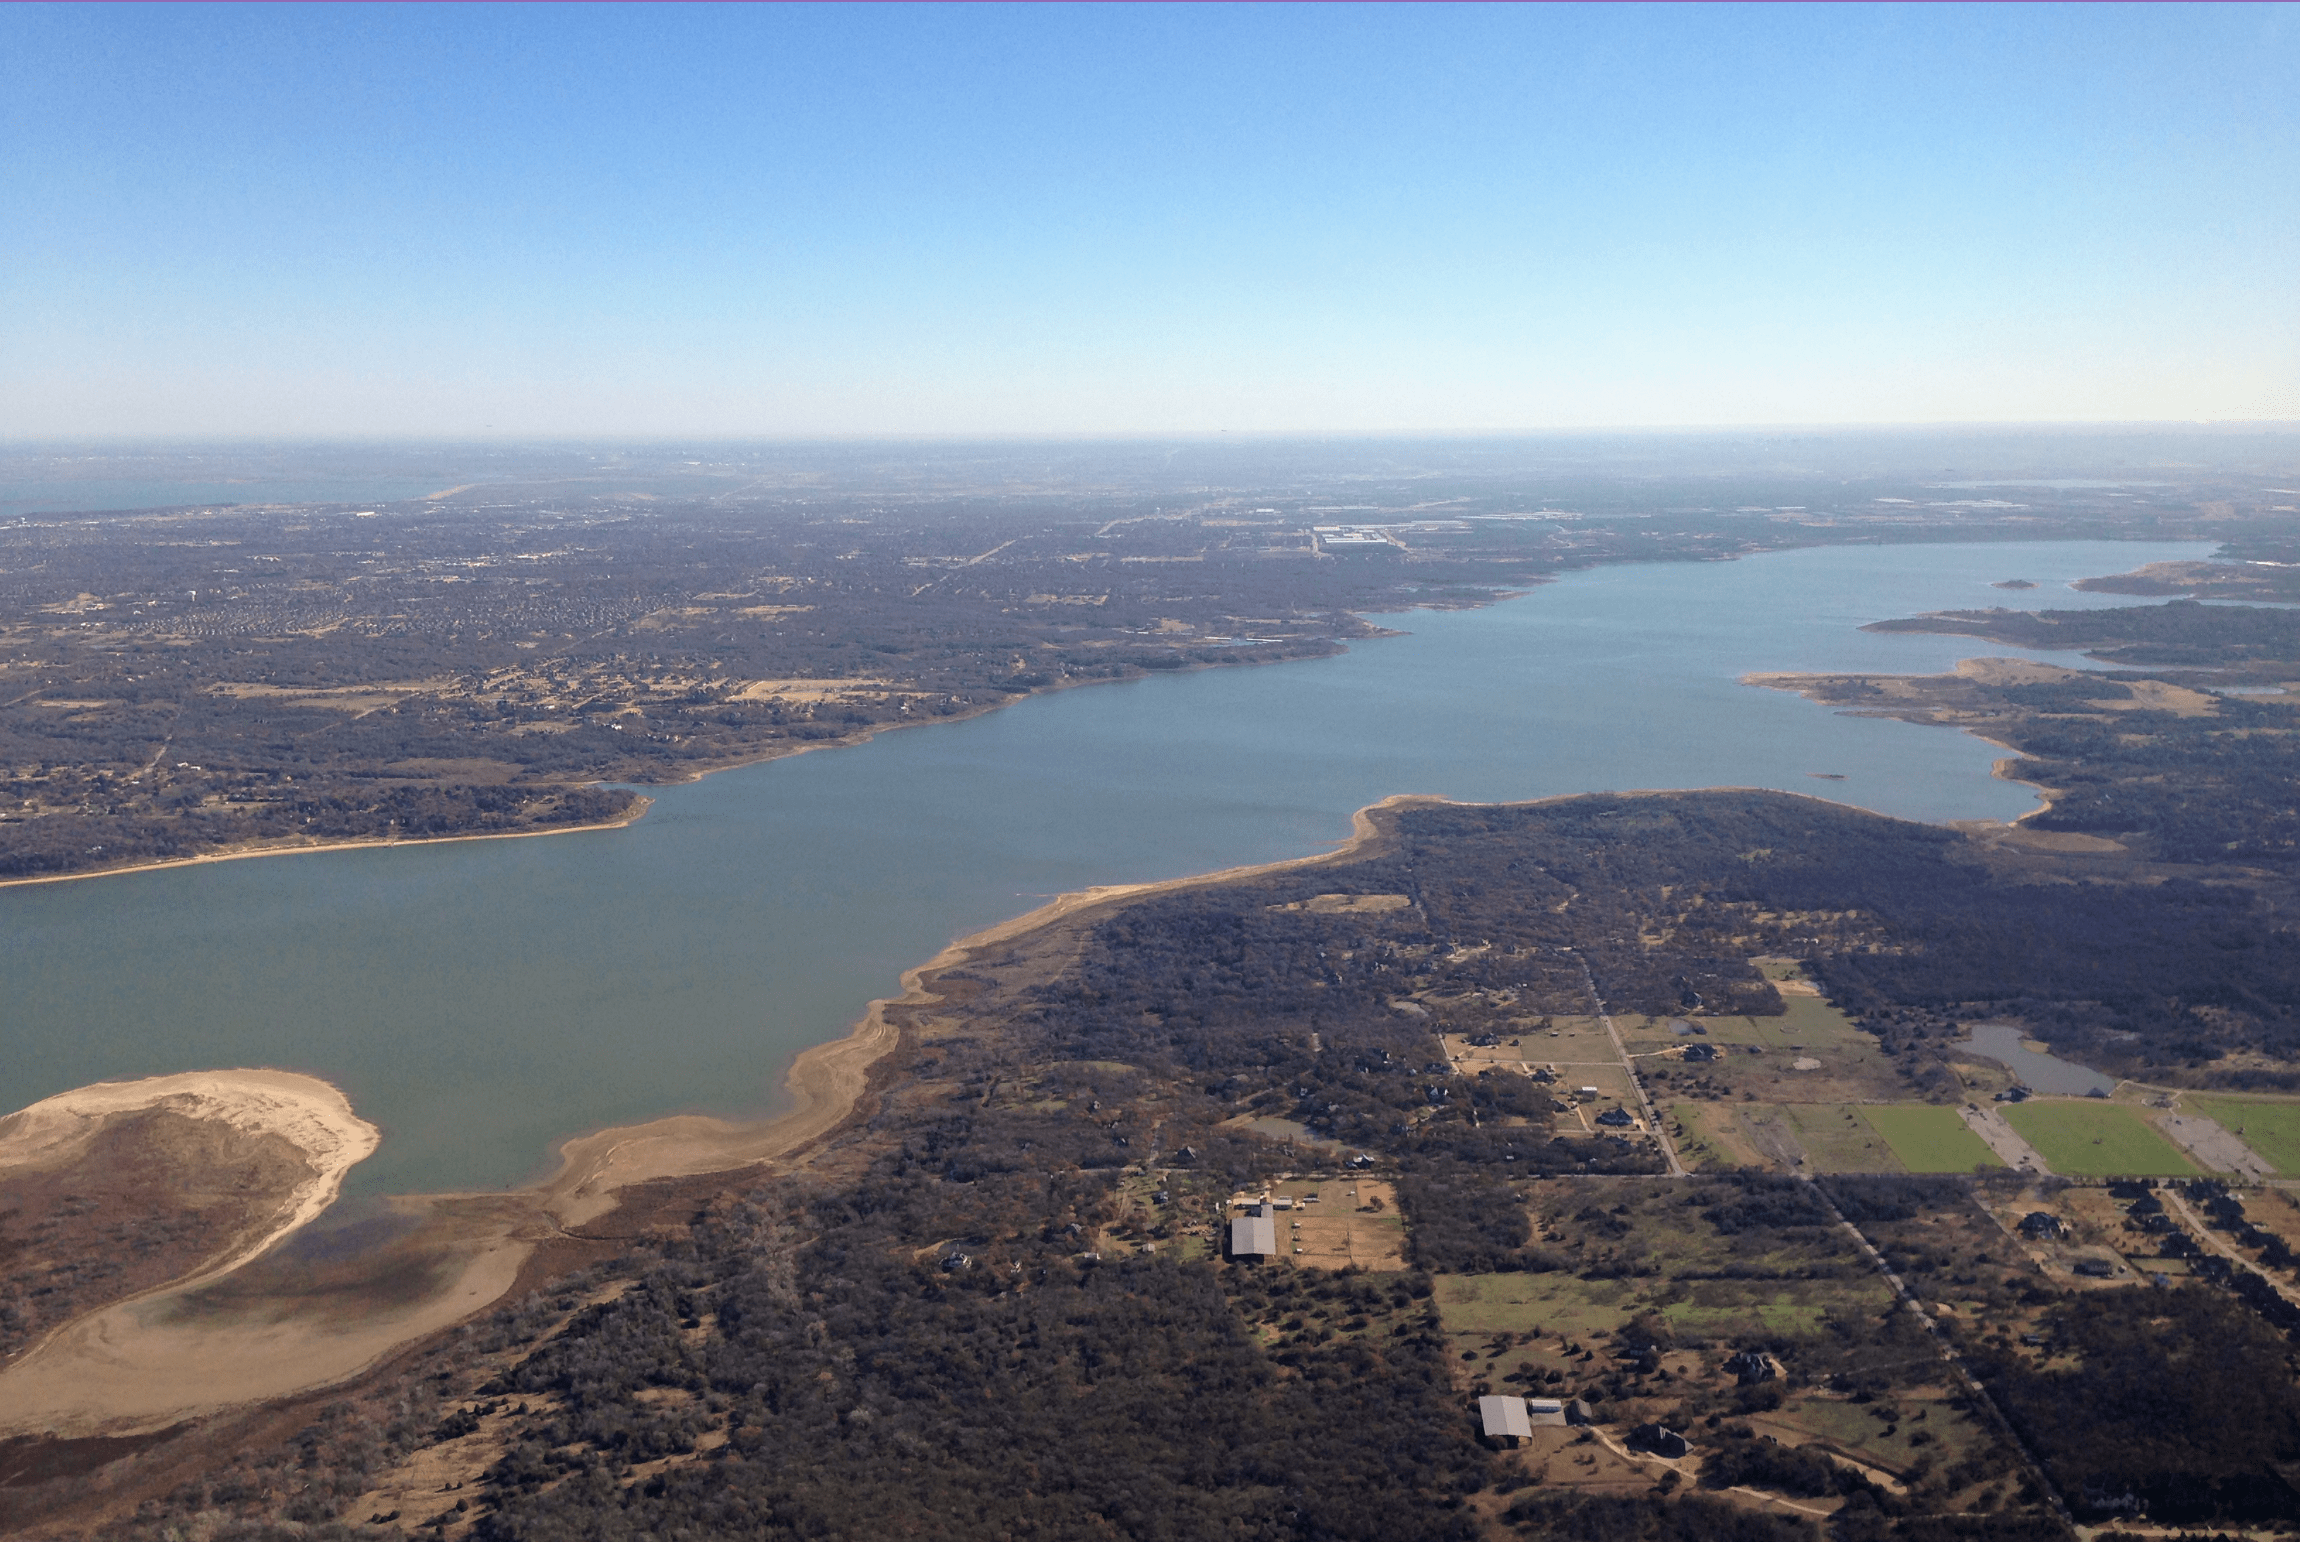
1011	221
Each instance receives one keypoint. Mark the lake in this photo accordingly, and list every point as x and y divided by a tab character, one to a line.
481	1000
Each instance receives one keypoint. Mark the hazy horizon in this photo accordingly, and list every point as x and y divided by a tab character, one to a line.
969	223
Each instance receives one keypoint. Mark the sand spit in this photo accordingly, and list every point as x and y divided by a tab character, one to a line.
303	1110
93	1375
148	1363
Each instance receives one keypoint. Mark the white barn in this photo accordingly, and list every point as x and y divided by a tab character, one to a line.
1505	1417
1255	1235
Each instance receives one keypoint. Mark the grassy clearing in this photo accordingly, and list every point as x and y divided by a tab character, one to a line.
1731	1309
1930	1139
1834	1137
1711	1137
1562	1305
1557	1304
2271	1128
2089	1139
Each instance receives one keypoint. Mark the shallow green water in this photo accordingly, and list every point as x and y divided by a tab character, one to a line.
481	1000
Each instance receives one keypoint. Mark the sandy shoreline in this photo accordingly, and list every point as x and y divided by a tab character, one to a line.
86	1373
829	1079
637	809
698	773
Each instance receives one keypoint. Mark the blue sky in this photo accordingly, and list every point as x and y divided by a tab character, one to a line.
797	221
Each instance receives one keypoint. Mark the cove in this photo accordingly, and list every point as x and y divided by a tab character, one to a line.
481	1000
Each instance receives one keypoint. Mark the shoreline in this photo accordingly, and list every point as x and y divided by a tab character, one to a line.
1790	681
697	774
638	810
830	1078
135	1366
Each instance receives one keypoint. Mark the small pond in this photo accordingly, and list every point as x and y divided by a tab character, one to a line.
2037	1070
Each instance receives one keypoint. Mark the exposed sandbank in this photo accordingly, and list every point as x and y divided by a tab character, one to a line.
308	1113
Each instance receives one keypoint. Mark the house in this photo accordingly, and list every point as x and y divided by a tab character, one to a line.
1749	1367
1658	1439
1504	1418
1255	1236
2095	1268
1700	1052
1618	1118
2040	1226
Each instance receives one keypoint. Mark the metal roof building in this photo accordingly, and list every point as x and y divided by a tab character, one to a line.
1256	1235
1506	1416
1545	1411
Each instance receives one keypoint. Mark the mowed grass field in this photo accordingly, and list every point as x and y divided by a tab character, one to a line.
1930	1139
2270	1128
2091	1139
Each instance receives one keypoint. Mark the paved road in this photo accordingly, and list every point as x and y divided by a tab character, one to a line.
2004	1140
1677	1169
2214	1147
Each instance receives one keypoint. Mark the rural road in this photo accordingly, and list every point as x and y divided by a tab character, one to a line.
2004	1140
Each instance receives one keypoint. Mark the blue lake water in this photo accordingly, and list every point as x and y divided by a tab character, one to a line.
481	1000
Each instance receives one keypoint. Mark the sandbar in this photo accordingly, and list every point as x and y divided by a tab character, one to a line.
308	1113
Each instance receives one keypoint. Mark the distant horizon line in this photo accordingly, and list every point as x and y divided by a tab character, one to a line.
1191	436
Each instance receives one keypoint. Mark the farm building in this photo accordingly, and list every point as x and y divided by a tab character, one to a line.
1546	1411
1255	1236
1505	1418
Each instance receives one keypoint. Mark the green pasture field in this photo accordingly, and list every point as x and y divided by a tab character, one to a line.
2085	1138
1834	1136
1930	1139
2271	1128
